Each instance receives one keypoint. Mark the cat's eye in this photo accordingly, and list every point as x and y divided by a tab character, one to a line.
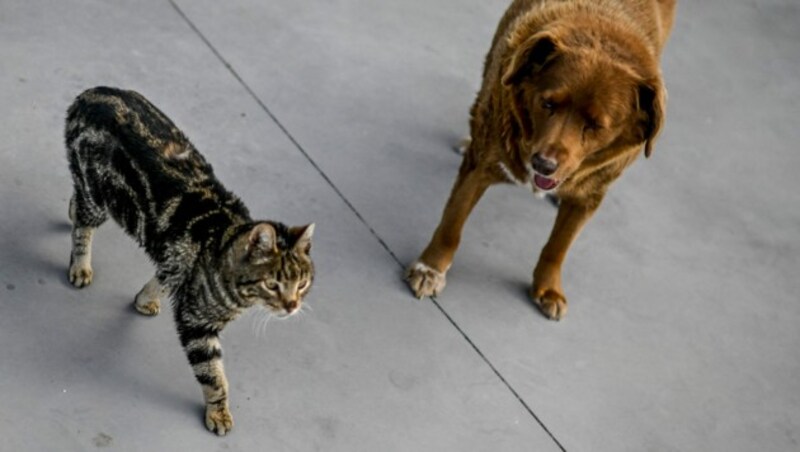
303	285
271	285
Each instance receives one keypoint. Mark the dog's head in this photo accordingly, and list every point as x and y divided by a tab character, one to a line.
570	101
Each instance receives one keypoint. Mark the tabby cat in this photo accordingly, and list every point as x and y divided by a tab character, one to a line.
128	160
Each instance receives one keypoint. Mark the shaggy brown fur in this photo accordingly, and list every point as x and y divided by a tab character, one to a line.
571	93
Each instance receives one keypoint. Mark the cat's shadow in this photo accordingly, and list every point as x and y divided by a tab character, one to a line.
126	377
59	226
81	344
57	270
26	252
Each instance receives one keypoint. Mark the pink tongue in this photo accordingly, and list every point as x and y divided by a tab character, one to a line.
543	182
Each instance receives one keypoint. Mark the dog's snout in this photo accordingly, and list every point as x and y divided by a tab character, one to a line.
543	165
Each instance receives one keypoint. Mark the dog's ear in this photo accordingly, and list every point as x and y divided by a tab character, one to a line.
530	57
651	104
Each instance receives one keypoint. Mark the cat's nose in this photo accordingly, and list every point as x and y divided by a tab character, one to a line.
290	306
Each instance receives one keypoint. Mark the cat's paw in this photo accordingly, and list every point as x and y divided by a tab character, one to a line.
80	274
551	302
147	307
218	420
424	281
148	300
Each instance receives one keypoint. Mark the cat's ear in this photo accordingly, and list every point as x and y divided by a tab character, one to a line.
261	242
303	234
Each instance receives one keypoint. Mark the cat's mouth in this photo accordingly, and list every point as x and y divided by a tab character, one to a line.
283	312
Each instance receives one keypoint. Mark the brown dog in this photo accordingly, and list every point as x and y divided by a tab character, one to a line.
571	93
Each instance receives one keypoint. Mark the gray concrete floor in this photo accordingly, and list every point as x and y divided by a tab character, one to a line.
684	324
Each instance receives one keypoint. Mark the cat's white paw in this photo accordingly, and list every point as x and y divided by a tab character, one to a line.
218	420
147	307
80	273
424	281
148	300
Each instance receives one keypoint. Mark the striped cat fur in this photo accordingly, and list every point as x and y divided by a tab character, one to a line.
130	162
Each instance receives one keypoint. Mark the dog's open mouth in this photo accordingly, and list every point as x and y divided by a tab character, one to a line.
544	183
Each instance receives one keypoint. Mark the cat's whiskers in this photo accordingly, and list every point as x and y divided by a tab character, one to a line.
304	309
258	323
267	317
253	317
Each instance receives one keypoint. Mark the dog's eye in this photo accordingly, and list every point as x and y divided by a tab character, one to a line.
548	105
591	126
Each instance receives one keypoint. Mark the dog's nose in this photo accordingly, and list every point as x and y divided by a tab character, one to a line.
544	166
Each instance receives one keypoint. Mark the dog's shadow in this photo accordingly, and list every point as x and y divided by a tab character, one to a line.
521	293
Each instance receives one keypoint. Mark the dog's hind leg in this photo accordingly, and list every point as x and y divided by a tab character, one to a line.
426	276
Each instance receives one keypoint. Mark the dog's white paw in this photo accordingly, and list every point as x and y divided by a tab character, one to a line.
463	145
424	281
551	302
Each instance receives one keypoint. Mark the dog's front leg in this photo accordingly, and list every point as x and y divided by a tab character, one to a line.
546	291
426	276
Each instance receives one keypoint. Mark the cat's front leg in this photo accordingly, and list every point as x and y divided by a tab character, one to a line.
204	351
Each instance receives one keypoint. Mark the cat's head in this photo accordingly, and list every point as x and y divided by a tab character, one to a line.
269	265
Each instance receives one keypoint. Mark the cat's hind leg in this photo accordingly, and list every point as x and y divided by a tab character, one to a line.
86	216
148	300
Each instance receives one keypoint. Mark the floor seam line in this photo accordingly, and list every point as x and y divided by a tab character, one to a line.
283	129
497	373
358	215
